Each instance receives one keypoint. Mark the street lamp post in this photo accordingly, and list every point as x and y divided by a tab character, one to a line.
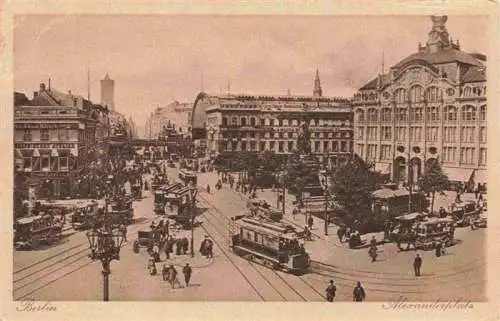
105	247
326	203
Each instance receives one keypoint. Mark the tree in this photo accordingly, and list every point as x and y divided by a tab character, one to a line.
433	180
352	187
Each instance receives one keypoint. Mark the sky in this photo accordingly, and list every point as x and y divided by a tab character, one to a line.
156	59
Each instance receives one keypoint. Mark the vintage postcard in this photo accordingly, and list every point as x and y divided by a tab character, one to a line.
222	163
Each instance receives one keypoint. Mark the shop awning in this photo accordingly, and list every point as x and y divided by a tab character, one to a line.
458	174
481	176
383	168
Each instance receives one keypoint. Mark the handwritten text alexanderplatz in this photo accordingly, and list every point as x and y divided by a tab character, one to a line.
402	303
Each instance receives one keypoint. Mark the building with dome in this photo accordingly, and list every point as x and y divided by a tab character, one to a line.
430	106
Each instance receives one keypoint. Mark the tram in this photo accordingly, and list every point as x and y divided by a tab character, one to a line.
178	205
188	177
273	245
34	230
160	193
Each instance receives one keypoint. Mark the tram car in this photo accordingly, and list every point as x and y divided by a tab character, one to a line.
188	177
85	217
435	231
32	231
273	245
178	205
159	196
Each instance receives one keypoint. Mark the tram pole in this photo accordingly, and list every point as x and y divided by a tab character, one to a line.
326	204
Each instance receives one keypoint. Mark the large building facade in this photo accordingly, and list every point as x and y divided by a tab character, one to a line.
429	106
175	114
256	123
55	136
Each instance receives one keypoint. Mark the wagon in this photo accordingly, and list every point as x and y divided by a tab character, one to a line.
144	239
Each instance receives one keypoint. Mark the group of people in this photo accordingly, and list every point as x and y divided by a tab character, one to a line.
358	294
170	274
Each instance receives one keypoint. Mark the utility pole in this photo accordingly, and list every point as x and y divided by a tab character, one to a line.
326	203
410	171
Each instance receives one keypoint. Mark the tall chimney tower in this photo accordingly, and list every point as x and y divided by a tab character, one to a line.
108	92
317	92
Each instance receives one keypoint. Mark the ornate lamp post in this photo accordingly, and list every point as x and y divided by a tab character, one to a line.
105	247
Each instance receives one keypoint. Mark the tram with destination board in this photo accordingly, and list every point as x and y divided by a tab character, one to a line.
271	244
188	177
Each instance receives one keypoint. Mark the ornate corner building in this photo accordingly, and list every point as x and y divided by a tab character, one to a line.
429	106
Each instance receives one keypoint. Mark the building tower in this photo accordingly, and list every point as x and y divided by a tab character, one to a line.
317	92
107	92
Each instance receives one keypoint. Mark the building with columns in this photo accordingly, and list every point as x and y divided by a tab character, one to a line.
232	123
429	106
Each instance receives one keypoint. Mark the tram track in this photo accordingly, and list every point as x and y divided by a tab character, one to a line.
279	281
40	278
401	283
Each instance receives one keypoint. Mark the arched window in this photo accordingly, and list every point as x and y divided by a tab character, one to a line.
432	94
450	114
402	114
271	122
468	113
467	91
224	121
252	121
372	114
416	94
234	121
386	114
243	121
360	115
400	95
432	113
482	113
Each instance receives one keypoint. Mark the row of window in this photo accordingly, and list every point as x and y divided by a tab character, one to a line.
449	154
467	155
281	135
450	114
467	134
46	163
252	122
324	146
53	134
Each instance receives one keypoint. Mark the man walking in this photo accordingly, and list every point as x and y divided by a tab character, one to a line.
187	271
330	291
359	294
417	263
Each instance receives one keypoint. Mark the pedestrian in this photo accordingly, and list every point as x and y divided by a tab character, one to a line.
480	199
178	247
123	230
359	294
172	277
373	241
208	188
439	246
164	272
417	264
310	222
330	291
156	252
187	271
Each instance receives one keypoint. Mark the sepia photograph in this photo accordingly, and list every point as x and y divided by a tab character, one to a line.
277	158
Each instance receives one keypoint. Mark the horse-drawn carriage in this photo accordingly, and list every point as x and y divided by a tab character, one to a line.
481	221
136	191
404	231
433	232
465	212
262	209
32	231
